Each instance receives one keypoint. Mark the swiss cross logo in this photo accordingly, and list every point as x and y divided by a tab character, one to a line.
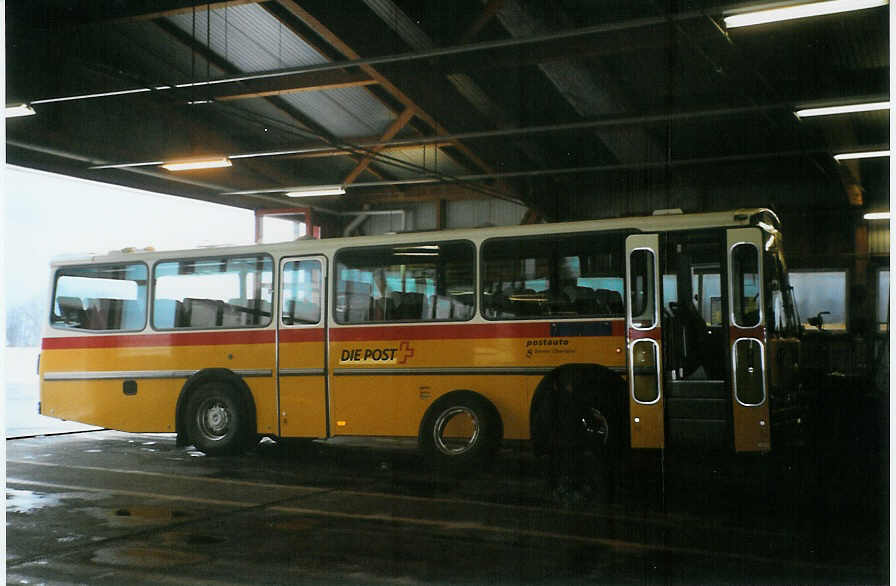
405	351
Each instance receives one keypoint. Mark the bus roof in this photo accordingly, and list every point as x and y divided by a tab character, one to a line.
654	223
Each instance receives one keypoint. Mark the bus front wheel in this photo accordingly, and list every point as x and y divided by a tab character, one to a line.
460	431
216	420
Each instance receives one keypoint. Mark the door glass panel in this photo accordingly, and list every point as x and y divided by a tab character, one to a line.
749	384
745	285
641	289
882	313
301	292
645	385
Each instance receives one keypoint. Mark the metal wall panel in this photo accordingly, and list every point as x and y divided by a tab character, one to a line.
879	238
474	213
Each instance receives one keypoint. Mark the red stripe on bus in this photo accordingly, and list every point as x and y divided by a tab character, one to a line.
343	334
302	335
441	332
168	339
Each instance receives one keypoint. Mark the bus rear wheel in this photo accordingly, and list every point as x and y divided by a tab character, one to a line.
459	432
216	420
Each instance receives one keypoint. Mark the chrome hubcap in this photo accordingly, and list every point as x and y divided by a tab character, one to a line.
599	426
455	443
213	418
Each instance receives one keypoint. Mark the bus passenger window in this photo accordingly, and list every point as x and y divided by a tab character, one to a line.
567	276
642	289
213	293
431	281
745	290
100	297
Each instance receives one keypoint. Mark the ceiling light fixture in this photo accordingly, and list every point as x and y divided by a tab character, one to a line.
799	11
861	155
877	216
845	109
198	164
316	190
19	110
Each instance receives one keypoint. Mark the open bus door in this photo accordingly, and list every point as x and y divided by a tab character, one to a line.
644	341
747	337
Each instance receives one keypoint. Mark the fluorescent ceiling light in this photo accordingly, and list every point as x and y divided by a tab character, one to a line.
863	155
799	11
877	216
846	109
19	110
314	190
198	164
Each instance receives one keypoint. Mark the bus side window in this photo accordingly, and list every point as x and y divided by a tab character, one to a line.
100	297
566	276
405	283
210	293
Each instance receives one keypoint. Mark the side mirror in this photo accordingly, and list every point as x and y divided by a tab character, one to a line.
818	320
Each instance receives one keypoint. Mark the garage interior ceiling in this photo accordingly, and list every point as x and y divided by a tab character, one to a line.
574	108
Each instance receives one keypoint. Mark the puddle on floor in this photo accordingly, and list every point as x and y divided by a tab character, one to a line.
69	538
27	501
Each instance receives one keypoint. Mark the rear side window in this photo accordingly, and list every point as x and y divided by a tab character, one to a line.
100	297
578	275
405	283
211	293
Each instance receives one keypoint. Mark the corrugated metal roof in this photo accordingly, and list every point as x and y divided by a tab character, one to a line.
250	38
429	158
345	112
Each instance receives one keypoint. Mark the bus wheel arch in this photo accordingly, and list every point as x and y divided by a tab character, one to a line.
226	400
482	426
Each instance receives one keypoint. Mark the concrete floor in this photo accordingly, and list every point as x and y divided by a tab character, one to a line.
112	508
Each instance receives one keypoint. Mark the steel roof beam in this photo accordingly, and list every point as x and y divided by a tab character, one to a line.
263	88
393	17
590	91
403	119
635	166
338	44
354	60
363	145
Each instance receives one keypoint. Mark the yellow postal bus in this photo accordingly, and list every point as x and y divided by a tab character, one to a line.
672	330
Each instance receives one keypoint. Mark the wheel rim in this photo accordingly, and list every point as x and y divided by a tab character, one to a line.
453	445
214	419
599	427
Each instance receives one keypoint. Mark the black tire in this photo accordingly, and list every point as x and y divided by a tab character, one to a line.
217	423
578	424
477	436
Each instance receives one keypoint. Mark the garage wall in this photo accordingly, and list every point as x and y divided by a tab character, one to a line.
458	214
